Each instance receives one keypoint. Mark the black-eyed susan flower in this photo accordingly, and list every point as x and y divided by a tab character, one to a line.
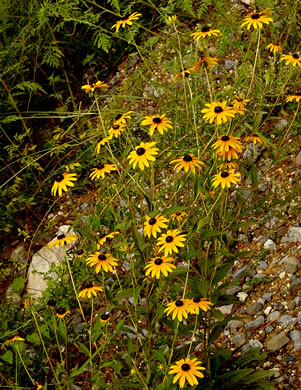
39	386
105	317
116	129
227	165
80	253
89	291
239	102
293	59
91	87
218	112
179	215
101	170
296	96
208	61
187	369
205	32
228	155
171	19
199	303
225	179
256	19
183	73
28	302
129	21
127	247
157	122
121	118
153	225
62	240
15	338
224	143
159	265
51	303
187	162
62	181
171	241
106	237
102	142
102	261
179	309
274	48
142	154
61	312
255	139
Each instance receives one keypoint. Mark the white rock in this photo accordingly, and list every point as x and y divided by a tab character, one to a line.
282	275
242	296
267	310
269	244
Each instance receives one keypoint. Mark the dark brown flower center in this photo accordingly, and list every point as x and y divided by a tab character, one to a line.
100	166
196	300
152	221
296	56
255	16
218	109
59	178
179	303
105	316
224	175
89	285
205	29
185	367
61	236
178	213
225	138
51	303
115	127
140	151
157	120
298	94
118	117
238	99
158	261
102	257
60	311
80	252
169	239
187	158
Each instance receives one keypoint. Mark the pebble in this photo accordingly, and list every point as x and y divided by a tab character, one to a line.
239	339
269	244
277	342
255	344
294	234
295	335
226	309
297	345
242	296
287	320
282	275
254	323
240	272
268	329
234	324
254	308
267	310
229	64
272	316
291	264
290	358
233	290
298	158
299	317
267	296
262	265
281	124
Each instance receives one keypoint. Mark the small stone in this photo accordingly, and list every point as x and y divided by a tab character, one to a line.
267	310
234	324
294	234
291	264
297	345
226	309
268	329
299	317
281	124
272	316
269	244
277	342
233	290
254	308
261	301
287	320
296	285
282	275
298	158
242	296
291	305
240	272
267	296
85	206
229	64
262	265
239	339
262	187
253	324
255	344
295	335
290	358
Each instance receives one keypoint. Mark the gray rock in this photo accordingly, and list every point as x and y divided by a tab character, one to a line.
234	324
294	234
85	206
226	309
239	339
299	317
254	308
240	272
291	264
267	296
297	345
295	335
262	265
251	152
291	304
268	329
281	124
229	64
20	257
262	187
296	285
269	244
277	342
287	320
272	316
298	158
233	290
253	324
255	344
272	223
290	358
242	296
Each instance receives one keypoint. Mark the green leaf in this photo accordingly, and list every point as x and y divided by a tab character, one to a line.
63	331
172	210
221	272
124	294
148	201
8	357
44	329
257	375
236	376
250	356
253	175
83	348
18	284
33	338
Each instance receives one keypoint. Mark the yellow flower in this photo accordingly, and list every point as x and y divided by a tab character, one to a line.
171	19
158	265
224	143
142	154
89	291
205	32
199	303
239	102
105	317
293	59
62	239
296	96
187	369
179	309
124	22
116	129
226	166
154	225
80	253
61	312
187	162
171	241
101	143
15	338
256	19
255	139
225	179
121	118
39	387
161	123
101	170
102	261
227	155
178	216
106	237
63	181
184	73
28	302
92	87
218	112
274	48
208	61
